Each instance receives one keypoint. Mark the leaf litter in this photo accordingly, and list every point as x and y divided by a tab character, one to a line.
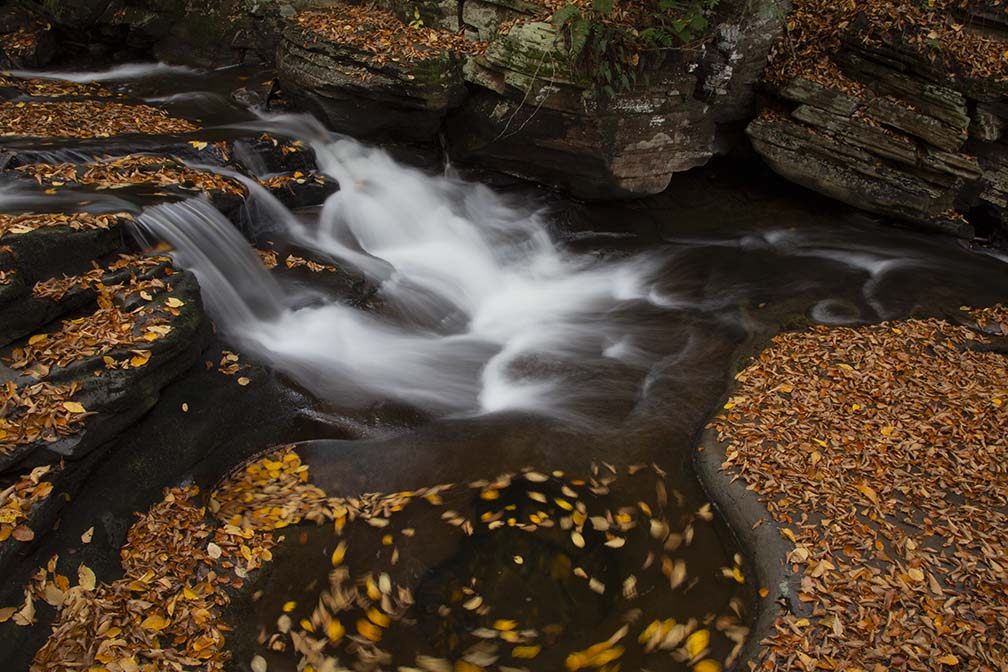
87	119
18	499
881	451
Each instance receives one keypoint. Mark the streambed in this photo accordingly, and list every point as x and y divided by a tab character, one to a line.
478	332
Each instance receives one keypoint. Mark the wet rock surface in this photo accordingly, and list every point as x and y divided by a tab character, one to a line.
893	129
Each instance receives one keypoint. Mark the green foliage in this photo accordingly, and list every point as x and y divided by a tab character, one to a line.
618	54
417	22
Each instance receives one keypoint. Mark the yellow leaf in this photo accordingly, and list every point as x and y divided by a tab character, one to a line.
288	607
949	659
707	665
505	625
369	630
173	302
887	430
339	553
37	338
88	534
243	381
86	578
155	622
198	144
378	618
140	360
697	643
525	652
789	535
335	631
145	295
868	492
74	407
763	592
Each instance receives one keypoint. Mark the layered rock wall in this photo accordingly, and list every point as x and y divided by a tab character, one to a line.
900	128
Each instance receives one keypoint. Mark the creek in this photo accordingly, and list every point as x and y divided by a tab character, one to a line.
503	326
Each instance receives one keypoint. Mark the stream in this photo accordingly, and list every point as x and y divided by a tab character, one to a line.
504	326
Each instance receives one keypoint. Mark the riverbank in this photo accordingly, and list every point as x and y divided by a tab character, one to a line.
878	453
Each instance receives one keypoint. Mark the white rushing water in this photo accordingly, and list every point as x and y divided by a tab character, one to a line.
474	289
123	72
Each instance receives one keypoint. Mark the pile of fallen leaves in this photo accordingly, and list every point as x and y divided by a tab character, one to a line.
270	493
55	88
165	613
37	412
104	279
78	221
23	40
86	119
882	452
294	261
111	325
285	181
19	498
130	170
229	365
269	258
816	29
382	36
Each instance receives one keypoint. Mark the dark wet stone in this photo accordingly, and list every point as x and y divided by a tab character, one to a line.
402	101
918	144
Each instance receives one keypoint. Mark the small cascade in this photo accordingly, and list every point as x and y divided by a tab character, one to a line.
482	306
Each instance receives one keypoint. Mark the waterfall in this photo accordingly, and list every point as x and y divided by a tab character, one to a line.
482	304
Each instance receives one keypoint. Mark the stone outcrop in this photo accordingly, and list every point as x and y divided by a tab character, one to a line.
899	136
344	85
522	106
530	113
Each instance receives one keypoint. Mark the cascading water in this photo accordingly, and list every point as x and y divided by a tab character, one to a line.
481	301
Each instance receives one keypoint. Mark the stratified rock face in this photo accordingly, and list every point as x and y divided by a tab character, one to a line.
519	104
530	114
896	134
363	93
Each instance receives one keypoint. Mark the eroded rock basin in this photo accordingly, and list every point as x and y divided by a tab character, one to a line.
730	257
